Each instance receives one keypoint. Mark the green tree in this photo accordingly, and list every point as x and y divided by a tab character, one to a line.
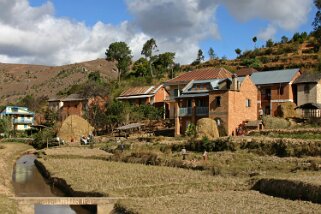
317	21
269	43
254	39
200	57
119	52
211	53
117	113
238	51
164	62
284	39
41	138
148	49
140	67
5	126
51	118
95	77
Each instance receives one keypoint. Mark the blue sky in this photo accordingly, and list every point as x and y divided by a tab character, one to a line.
58	31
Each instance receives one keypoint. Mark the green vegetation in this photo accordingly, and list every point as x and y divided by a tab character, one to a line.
42	137
5	126
119	52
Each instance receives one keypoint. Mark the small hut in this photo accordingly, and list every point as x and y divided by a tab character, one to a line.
310	110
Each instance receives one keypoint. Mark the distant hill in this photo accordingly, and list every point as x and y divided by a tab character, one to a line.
19	80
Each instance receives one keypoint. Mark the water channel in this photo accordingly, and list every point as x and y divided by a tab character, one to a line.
28	182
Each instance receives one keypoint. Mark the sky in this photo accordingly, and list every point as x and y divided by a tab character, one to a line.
58	32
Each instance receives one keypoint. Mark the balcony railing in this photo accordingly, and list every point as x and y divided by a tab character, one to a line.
185	111
201	111
22	121
170	98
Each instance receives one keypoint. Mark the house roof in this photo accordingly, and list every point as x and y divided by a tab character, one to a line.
23	111
73	97
245	71
308	77
141	90
310	106
201	74
271	77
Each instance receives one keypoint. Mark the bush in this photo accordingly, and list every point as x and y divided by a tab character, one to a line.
42	137
190	130
275	122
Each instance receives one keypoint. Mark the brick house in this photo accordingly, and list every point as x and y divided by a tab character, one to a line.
274	88
176	85
229	101
148	95
75	104
152	95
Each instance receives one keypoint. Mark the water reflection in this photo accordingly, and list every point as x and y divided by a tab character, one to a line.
28	182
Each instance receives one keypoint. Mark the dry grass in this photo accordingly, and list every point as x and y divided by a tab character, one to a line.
217	202
120	179
158	189
77	152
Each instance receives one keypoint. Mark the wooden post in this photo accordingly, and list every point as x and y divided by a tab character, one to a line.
177	122
193	112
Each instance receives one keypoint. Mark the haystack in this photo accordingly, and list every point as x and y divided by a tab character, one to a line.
206	127
287	110
73	128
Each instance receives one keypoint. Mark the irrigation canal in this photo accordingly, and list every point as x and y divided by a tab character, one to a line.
29	184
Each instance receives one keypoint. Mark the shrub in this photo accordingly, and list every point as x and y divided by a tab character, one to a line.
42	137
275	122
190	130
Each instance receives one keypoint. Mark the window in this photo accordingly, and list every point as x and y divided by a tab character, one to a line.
281	91
176	92
306	88
248	103
218	101
25	126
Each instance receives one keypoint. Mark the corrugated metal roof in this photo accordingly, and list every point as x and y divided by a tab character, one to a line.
308	77
201	74
192	95
137	91
271	77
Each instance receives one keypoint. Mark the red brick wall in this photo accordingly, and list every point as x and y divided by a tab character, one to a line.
238	111
71	108
160	95
233	110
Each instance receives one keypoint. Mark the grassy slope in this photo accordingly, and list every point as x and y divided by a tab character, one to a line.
9	152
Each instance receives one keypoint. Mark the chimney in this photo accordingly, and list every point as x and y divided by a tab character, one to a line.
234	83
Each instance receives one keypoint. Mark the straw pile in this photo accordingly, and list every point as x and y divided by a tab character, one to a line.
73	128
206	127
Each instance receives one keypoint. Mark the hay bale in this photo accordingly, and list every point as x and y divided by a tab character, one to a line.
287	110
73	128
206	127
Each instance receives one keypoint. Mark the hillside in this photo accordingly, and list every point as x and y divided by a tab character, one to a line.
292	54
18	80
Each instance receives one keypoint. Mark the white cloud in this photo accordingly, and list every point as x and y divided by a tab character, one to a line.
267	33
35	35
286	14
